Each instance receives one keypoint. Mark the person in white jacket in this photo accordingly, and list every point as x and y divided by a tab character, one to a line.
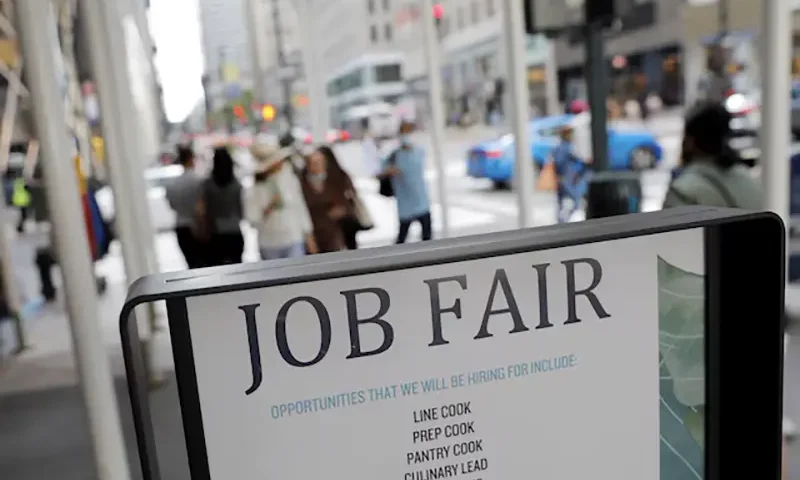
276	207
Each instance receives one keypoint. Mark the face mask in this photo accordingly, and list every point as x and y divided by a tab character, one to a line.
317	177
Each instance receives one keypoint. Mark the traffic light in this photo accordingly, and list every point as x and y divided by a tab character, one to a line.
268	112
238	111
438	13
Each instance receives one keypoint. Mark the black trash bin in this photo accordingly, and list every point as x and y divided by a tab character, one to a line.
612	193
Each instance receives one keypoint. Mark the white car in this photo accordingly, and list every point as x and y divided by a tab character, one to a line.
162	216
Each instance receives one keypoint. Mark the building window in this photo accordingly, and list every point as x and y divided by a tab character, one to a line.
387	73
474	12
387	32
371	6
460	18
373	34
490	8
386	5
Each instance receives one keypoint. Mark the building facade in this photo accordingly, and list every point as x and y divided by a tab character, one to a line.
701	24
363	56
645	37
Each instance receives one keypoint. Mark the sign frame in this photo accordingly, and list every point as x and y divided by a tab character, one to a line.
744	256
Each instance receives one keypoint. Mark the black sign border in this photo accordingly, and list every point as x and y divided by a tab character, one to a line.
744	410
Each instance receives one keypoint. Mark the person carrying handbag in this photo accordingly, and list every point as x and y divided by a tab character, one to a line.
275	206
357	217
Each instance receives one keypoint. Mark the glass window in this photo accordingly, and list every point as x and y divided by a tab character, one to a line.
490	8
387	32
475	11
373	34
371	6
387	73
460	18
386	5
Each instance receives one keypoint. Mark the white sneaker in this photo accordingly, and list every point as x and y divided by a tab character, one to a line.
789	428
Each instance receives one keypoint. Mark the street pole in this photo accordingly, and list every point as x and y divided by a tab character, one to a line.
596	86
286	82
120	119
722	12
255	28
524	174
36	22
551	79
776	38
609	192
314	80
431	40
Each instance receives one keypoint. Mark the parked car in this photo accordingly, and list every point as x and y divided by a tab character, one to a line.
629	148
162	216
745	107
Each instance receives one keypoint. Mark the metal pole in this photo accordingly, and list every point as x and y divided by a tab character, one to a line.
776	38
722	11
551	79
435	98
36	20
125	221
524	175
133	113
286	82
316	94
125	154
596	80
255	28
75	112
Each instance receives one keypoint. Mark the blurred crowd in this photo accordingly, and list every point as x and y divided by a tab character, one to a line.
300	202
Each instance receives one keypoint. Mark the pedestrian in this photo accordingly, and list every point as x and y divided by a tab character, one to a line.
710	172
276	206
405	167
21	198
183	195
328	198
357	218
222	201
570	171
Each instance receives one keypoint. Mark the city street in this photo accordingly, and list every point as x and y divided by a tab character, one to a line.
474	205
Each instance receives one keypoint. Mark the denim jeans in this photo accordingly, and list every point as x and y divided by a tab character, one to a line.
290	251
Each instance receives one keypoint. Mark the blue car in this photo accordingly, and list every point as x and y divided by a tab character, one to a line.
629	148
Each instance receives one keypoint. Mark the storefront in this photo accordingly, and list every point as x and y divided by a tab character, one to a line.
740	47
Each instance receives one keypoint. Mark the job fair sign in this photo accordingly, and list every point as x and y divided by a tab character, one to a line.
575	362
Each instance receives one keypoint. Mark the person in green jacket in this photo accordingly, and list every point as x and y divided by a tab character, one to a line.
711	173
21	198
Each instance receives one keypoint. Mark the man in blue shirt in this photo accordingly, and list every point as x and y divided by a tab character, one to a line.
406	168
570	170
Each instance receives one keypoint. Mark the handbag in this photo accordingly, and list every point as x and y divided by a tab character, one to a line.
362	215
386	188
203	224
547	181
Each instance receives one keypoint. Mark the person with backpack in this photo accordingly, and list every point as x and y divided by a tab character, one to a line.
710	172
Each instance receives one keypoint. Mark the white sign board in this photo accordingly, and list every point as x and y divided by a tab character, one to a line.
561	363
